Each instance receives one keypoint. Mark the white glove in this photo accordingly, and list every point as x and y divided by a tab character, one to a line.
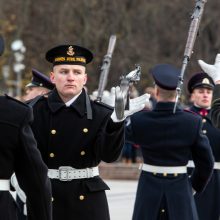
212	70
135	105
110	99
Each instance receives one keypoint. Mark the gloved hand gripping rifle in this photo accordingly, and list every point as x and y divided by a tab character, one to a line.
122	99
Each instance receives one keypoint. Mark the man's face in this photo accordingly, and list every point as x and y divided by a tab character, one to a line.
202	97
32	92
69	80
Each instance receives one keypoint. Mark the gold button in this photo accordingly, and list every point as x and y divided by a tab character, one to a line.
85	130
162	210
203	120
53	131
82	153
52	155
175	174
81	197
52	199
204	131
154	173
164	174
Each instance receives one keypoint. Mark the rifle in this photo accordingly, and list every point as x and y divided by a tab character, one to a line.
105	67
2	47
192	34
126	81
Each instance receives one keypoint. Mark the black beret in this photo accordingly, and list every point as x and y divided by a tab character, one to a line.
165	76
40	80
200	80
69	54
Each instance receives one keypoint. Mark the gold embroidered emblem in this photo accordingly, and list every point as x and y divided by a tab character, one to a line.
206	81
70	51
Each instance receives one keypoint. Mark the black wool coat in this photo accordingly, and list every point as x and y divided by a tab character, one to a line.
19	154
215	112
66	137
208	202
169	139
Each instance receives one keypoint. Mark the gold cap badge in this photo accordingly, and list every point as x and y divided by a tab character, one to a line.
70	51
206	81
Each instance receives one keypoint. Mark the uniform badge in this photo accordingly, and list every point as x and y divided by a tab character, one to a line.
70	51
206	81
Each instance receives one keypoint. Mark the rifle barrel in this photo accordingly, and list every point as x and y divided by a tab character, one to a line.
105	67
192	34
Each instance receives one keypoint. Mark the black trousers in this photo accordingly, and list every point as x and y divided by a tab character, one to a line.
20	213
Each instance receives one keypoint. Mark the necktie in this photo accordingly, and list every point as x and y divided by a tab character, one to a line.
203	112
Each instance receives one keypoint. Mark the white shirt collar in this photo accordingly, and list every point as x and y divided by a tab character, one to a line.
208	108
70	102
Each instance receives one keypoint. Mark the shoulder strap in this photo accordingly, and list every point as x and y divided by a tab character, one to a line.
16	100
88	107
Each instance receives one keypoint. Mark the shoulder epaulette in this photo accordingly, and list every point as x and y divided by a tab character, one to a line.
16	100
189	111
104	105
32	102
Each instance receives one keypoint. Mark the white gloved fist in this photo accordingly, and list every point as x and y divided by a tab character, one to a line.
212	70
135	105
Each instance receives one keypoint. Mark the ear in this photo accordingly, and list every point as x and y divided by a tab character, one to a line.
52	77
85	79
156	91
192	96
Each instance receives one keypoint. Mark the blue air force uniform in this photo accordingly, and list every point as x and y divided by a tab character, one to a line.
208	202
167	140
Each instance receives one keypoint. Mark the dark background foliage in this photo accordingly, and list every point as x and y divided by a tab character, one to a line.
148	32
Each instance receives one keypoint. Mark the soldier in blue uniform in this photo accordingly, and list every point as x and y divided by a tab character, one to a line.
167	140
40	84
74	134
214	72
201	86
19	154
